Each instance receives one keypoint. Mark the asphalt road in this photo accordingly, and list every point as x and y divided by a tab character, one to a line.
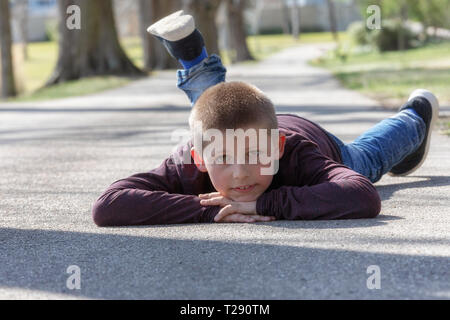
57	157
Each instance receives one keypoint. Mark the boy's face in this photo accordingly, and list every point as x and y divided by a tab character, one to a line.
241	181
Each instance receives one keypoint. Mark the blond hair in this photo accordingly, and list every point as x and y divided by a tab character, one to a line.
233	105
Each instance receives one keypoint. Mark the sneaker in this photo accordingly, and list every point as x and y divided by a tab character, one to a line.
426	105
179	35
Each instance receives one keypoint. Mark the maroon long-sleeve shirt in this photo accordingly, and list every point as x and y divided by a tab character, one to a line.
311	183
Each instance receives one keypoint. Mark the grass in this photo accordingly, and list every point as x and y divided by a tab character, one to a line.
390	77
444	126
133	48
31	74
74	88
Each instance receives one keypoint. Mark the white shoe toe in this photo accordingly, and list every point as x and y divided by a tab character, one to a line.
173	27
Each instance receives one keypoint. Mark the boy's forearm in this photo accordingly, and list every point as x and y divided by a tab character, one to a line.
346	199
140	207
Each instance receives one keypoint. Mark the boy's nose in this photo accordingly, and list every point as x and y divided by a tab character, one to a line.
240	171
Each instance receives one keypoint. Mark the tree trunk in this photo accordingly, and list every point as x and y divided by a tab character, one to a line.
236	30
8	88
332	17
295	20
159	57
145	20
286	17
204	12
93	50
259	7
22	20
401	43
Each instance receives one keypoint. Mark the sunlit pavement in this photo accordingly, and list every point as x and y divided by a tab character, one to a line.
57	157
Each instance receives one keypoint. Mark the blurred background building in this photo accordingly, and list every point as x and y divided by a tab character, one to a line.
274	16
36	15
262	16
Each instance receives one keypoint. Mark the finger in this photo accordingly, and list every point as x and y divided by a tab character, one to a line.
237	218
218	201
249	220
209	202
259	218
246	218
225	211
209	195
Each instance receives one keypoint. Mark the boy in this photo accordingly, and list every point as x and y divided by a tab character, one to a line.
318	176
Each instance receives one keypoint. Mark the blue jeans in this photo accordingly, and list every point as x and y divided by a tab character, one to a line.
380	148
200	77
372	154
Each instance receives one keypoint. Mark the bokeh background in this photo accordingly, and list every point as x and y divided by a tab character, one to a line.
42	59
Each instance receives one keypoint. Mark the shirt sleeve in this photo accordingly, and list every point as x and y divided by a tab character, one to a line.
150	198
325	190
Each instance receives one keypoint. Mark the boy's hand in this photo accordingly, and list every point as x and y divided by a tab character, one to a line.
233	211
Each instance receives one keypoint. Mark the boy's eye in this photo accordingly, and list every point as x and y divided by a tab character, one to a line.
253	157
227	159
223	159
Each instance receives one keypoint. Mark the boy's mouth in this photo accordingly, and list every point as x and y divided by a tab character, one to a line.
244	189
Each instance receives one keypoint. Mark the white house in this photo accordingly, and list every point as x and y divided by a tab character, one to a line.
274	15
40	14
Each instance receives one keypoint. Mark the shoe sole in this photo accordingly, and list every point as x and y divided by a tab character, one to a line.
431	98
174	27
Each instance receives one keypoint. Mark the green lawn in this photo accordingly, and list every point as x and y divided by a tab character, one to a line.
446	127
33	73
390	77
73	88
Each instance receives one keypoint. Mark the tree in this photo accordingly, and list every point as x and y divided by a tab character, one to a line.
204	12
430	13
237	30
145	20
295	19
21	17
286	16
92	50
150	11
332	18
256	18
8	87
401	31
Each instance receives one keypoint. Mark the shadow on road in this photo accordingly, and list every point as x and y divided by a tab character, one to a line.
317	109
386	191
127	267
77	109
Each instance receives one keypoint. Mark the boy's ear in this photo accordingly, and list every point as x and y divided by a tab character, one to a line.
281	144
198	161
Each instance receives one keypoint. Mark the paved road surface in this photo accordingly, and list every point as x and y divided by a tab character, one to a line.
57	157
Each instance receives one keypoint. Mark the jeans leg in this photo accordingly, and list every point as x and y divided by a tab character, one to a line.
196	80
383	146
